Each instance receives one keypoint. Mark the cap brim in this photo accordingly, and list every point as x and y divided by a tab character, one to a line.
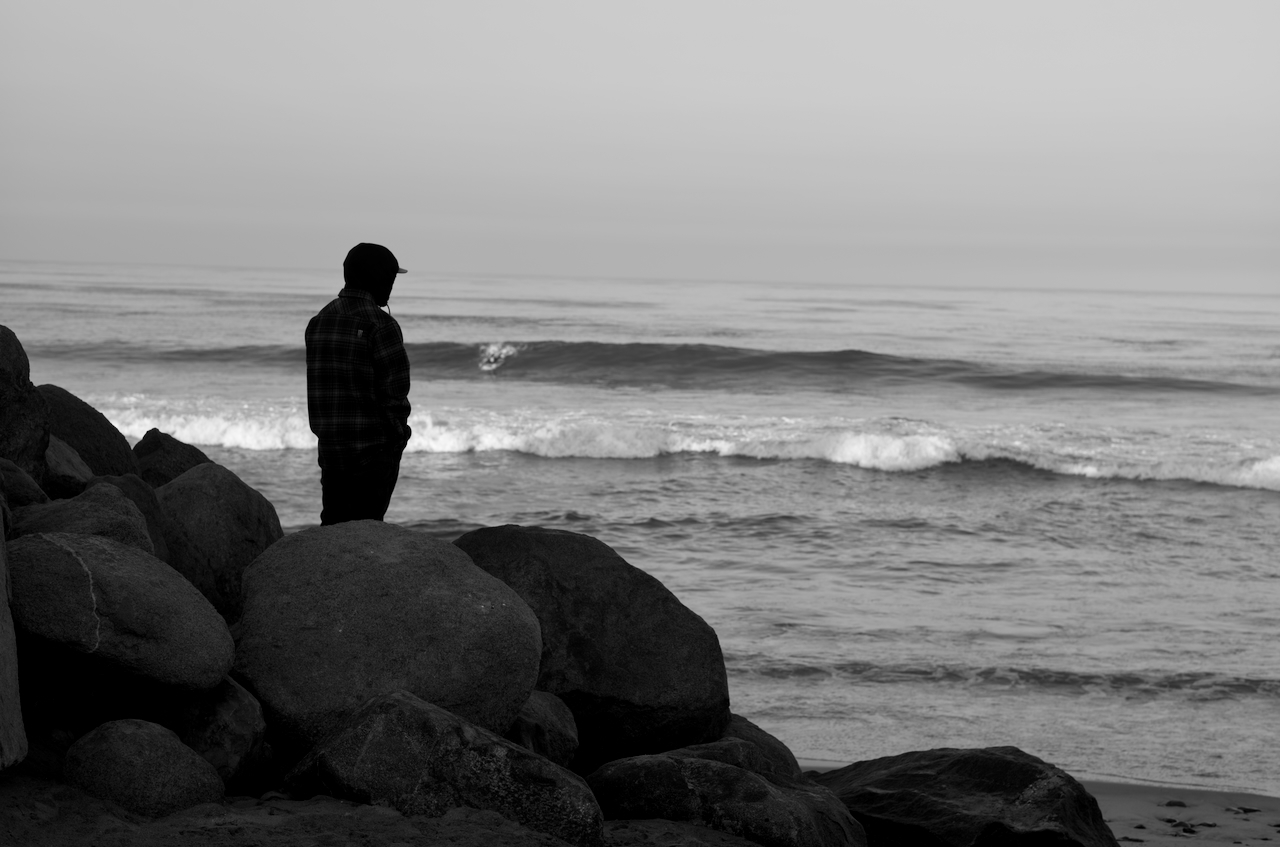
401	271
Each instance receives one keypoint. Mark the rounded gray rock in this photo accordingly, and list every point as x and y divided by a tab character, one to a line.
102	510
143	767
337	614
102	447
99	596
24	413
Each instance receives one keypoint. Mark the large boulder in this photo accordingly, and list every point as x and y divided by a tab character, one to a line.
778	757
401	751
143	767
103	510
776	812
159	526
65	473
102	447
336	614
987	797
225	725
13	736
20	489
221	525
125	606
163	458
641	672
545	725
24	413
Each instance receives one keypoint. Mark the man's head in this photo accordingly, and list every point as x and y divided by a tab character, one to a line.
373	268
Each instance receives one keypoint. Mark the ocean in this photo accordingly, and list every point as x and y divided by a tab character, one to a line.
935	514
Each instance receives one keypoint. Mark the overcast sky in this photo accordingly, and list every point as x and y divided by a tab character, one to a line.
797	140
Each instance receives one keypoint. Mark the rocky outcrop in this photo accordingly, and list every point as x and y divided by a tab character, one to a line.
400	751
65	473
24	413
163	458
775	812
13	736
224	725
20	489
336	614
98	596
641	672
159	527
545	725
975	798
778	757
143	767
89	433
220	526
103	510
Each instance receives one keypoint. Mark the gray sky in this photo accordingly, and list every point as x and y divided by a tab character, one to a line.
804	140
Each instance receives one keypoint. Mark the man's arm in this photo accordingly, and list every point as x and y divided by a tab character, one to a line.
391	377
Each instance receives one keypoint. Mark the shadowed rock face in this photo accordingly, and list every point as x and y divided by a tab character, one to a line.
159	527
13	736
218	526
89	433
641	672
102	510
774	811
143	767
546	726
336	614
65	473
20	489
989	797
24	413
163	458
125	606
401	751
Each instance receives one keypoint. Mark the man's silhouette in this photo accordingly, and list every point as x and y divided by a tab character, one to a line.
358	389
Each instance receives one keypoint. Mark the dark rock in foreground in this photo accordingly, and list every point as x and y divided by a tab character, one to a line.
660	833
89	433
163	458
224	725
773	812
401	751
24	413
65	473
545	725
102	510
13	735
159	527
778	756
336	614
143	767
219	525
20	489
98	596
641	672
990	797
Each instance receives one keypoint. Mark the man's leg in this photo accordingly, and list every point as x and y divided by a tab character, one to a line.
362	493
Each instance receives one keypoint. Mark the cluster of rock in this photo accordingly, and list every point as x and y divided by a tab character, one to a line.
169	645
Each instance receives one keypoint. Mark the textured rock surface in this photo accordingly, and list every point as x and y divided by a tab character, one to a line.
775	812
159	527
545	726
163	458
404	752
641	672
20	489
337	614
13	736
660	833
779	758
221	525
224	725
981	797
65	473
143	767
88	431
98	596
103	510
24	413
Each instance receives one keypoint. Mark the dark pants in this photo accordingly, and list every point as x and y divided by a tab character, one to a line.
360	493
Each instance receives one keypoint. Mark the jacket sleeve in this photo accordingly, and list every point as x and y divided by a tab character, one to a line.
391	377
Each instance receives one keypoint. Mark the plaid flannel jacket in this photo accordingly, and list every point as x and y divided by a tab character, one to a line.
357	380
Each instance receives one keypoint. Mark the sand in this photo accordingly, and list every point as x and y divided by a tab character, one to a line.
1164	816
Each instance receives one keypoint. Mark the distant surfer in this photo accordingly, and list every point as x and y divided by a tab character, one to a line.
358	389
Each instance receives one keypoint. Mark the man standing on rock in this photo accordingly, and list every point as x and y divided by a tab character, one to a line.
358	389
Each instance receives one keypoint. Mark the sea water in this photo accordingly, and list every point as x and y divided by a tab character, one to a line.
921	515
